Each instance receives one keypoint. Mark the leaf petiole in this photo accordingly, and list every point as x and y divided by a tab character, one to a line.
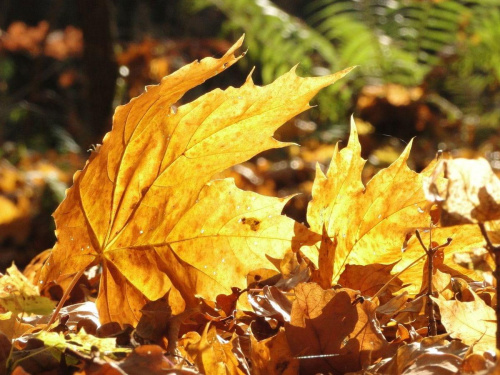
64	298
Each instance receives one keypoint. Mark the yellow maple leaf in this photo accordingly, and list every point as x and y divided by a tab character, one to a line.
141	207
369	224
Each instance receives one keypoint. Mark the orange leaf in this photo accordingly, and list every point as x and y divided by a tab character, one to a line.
369	279
142	208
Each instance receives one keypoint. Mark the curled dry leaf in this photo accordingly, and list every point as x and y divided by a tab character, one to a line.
75	313
326	322
473	322
271	303
433	355
471	194
142	209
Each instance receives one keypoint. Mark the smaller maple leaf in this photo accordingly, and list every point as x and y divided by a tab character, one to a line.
371	224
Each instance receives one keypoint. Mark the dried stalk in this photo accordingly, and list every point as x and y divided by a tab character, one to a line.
495	253
430	252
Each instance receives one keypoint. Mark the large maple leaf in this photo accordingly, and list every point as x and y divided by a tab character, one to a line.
371	224
141	207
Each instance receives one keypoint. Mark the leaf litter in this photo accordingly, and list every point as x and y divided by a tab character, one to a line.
190	274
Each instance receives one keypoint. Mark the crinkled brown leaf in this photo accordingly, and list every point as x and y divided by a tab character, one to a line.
326	322
271	303
142	209
433	355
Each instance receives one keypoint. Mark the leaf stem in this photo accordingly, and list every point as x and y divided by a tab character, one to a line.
64	298
429	305
430	252
495	253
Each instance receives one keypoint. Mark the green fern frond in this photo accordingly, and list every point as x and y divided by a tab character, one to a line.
276	39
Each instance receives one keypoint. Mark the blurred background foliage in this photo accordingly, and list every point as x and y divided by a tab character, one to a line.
426	68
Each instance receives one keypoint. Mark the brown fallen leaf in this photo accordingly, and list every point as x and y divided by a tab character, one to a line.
432	355
142	208
154	321
472	322
326	323
271	303
146	359
272	356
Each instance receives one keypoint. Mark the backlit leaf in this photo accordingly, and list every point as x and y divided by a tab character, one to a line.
19	295
473	322
372	224
141	207
472	192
